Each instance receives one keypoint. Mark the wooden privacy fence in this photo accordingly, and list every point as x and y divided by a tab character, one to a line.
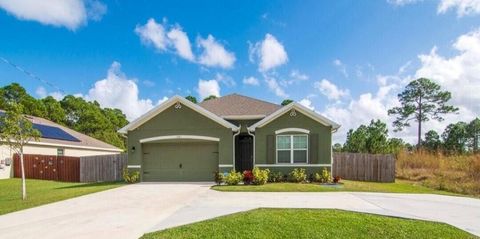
102	168
364	167
48	167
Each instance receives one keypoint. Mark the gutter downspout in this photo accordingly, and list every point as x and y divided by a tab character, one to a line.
248	132
234	135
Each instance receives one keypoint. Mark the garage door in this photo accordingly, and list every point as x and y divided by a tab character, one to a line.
180	161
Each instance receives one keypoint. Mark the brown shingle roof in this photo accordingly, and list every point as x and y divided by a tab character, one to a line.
239	105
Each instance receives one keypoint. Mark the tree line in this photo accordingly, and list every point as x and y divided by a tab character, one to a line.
422	100
87	117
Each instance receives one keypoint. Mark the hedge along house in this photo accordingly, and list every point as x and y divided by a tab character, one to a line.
182	141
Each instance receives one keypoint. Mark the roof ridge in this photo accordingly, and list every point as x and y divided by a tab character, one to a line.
249	97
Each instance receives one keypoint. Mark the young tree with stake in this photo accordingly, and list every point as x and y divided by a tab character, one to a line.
16	131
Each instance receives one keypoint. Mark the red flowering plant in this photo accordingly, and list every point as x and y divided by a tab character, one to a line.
336	179
247	177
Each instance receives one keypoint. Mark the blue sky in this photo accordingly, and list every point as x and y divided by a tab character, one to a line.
344	59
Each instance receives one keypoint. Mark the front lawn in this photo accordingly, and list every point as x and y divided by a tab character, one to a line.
310	223
400	186
41	192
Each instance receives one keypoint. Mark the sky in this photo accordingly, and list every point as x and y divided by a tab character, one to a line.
345	59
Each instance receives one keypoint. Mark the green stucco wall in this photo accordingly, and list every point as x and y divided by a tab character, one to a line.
298	121
183	121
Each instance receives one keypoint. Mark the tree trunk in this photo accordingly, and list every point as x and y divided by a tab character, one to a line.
419	144
24	186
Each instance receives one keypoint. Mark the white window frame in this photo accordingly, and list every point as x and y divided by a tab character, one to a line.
291	148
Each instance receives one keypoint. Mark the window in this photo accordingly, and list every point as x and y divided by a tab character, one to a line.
292	148
60	152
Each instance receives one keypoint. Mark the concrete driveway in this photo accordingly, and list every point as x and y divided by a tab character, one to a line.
131	211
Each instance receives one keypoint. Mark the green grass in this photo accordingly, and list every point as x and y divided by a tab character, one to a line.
41	192
400	186
310	223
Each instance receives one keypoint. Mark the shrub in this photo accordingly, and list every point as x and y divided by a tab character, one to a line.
218	177
276	177
298	175
131	177
233	178
323	177
247	177
260	176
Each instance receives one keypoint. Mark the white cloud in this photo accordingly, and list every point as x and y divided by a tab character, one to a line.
153	33
297	75
251	81
61	13
341	67
118	91
225	79
270	53
41	92
366	107
214	53
207	88
307	103
162	100
171	38
273	85
402	2
459	74
330	90
95	10
148	83
464	7
180	41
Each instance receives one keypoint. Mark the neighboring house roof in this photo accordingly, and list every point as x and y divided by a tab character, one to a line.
54	134
302	109
236	106
170	102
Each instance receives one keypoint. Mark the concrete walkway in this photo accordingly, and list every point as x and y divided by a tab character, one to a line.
131	211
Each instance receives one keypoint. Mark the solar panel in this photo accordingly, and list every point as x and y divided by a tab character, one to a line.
52	132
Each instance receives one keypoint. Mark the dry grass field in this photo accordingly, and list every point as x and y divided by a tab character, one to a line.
453	173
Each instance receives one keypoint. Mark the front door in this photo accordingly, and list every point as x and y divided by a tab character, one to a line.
244	153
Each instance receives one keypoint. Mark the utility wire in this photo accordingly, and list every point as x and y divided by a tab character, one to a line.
31	75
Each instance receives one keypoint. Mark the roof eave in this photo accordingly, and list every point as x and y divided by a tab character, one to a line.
158	109
294	105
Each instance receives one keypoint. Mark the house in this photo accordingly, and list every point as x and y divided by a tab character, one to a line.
182	141
55	140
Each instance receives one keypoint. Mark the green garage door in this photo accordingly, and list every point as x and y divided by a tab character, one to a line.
180	161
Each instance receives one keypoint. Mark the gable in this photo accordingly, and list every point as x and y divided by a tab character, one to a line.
293	110
177	102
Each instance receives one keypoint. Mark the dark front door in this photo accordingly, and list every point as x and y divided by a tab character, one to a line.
244	153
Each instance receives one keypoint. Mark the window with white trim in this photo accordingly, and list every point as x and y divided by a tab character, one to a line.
292	149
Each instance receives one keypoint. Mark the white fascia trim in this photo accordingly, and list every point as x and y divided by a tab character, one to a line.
134	166
225	165
170	137
298	130
243	117
165	105
297	165
302	109
74	146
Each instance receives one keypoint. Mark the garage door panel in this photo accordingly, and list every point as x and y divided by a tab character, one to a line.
180	161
